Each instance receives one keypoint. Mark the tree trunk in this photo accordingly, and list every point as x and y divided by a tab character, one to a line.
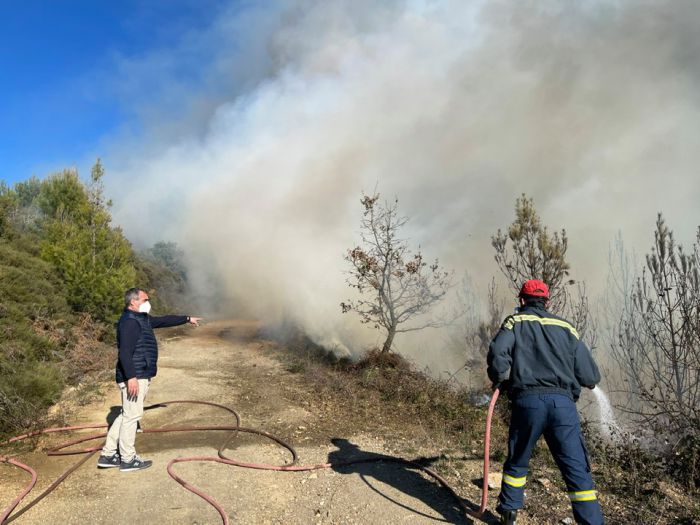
389	340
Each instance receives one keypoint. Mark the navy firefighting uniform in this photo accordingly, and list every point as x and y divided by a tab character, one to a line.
548	364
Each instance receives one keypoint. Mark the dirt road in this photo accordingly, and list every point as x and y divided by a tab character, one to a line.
224	362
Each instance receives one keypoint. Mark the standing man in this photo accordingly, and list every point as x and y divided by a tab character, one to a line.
546	364
136	365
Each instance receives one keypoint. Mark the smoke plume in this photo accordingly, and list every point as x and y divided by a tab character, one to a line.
454	107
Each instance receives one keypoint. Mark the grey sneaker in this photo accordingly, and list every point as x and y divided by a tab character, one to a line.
109	461
135	464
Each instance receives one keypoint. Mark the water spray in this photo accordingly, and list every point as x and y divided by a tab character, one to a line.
609	427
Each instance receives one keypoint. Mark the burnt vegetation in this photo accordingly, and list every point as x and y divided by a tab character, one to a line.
656	349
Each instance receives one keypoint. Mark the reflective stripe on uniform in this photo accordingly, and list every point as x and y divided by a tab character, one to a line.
583	495
514	482
510	322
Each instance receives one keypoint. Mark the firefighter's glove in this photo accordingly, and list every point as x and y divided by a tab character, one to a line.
503	386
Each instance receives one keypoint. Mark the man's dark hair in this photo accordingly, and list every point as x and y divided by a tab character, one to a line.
536	301
130	295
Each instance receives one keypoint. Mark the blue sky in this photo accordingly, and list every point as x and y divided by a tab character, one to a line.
61	64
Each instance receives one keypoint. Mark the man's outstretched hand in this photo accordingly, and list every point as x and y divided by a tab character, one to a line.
195	320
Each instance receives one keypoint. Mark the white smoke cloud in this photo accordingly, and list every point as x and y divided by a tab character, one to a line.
455	107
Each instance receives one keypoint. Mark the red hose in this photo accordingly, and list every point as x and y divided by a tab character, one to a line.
222	458
27	489
487	446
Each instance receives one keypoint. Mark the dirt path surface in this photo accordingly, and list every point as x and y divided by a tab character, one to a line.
224	362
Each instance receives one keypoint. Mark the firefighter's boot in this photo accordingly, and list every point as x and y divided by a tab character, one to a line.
508	517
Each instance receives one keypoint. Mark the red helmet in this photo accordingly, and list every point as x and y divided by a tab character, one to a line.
534	288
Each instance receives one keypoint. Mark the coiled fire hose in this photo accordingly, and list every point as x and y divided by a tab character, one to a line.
7	514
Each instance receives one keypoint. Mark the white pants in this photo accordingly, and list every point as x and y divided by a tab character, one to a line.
122	433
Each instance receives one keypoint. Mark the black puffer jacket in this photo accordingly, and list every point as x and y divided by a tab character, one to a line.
138	348
543	353
145	357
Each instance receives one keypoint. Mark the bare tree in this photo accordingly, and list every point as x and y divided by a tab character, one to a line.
658	343
616	316
477	327
620	282
395	285
468	307
489	326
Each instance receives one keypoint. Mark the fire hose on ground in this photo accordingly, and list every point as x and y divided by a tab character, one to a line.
9	515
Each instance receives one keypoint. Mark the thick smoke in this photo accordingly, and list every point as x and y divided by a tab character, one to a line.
454	107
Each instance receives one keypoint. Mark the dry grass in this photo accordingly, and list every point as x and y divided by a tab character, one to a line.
389	380
88	350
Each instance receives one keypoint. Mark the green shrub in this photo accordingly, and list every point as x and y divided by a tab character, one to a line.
30	376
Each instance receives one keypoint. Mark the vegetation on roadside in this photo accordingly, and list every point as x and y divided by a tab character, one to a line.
656	351
433	403
645	472
654	342
63	270
636	485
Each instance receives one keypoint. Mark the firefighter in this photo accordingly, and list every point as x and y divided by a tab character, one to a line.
540	360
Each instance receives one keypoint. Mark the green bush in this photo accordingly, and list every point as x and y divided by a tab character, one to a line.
30	375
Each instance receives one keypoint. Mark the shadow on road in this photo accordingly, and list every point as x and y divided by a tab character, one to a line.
402	477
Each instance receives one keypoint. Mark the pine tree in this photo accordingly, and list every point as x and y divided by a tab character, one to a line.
94	259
